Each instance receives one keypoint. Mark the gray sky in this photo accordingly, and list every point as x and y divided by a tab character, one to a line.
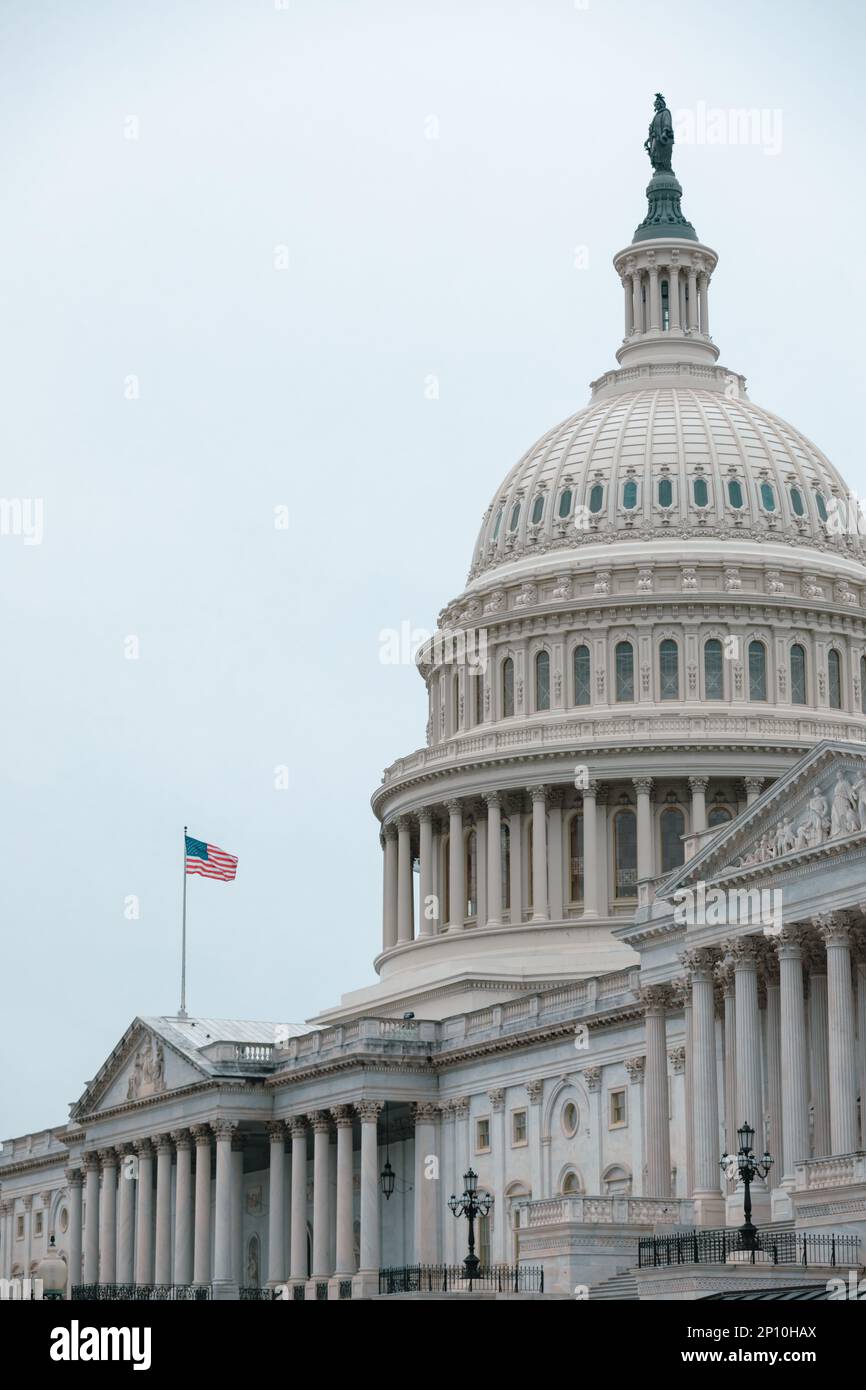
309	128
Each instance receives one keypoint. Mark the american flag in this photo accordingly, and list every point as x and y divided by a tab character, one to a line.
209	861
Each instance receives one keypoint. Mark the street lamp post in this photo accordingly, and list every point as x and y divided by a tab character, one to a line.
471	1205
747	1166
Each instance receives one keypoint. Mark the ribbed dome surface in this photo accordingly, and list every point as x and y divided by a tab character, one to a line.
681	462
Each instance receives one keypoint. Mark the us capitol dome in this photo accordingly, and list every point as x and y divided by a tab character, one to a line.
669	604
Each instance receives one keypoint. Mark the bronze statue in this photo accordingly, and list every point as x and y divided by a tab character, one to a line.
659	143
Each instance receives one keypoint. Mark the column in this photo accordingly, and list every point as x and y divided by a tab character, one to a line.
833	928
754	786
428	911
494	859
655	302
773	1022
426	1187
91	1222
183	1208
321	1128
677	1084
342	1117
462	1158
201	1235
481	866
107	1218
554	854
515	874
74	1182
389	887
456	871
629	306
818	1050
405	912
590	851
693	299
222	1256
658	1141
299	1199
238	1271
5	1239
698	788
449	1180
368	1113
591	1078
637	301
162	1263
637	1123
144	1214
725	976
689	1084
643	788
498	1140
28	1229
860	971
744	953
127	1184
707	1191
276	1210
794	1059
674	295
703	287
540	911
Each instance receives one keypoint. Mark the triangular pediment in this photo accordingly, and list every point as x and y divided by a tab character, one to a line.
144	1066
816	810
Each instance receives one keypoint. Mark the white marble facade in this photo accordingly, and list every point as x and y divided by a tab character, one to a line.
647	737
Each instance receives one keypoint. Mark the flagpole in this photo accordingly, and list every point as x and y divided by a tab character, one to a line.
182	1011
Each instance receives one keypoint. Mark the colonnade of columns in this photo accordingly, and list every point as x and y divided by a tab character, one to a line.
793	1057
459	890
686	299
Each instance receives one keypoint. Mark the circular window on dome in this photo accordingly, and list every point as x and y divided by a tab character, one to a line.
700	492
629	495
497	523
569	1119
596	498
797	502
666	493
537	509
565	502
735	494
515	517
768	497
821	505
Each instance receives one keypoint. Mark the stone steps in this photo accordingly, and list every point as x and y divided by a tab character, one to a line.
621	1287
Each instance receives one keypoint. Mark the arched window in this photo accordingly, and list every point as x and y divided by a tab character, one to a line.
565	502
542	681
497	523
624	664
797	502
629	495
821	505
477	681
505	856
666	492
571	1182
470	870
575	892
582	691
834	678
863	685
735	493
666	306
714	686
507	688
538	509
596	498
798	674
669	670
673	826
625	853
768	497
757	671
700	492
515	517
718	815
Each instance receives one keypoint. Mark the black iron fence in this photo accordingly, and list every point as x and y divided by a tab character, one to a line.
773	1247
137	1293
454	1279
255	1295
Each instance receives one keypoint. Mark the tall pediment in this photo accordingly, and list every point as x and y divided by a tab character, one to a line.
143	1066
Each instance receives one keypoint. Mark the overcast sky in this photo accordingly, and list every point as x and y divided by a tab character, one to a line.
238	241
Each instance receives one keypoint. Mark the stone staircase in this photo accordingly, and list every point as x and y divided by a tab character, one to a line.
622	1287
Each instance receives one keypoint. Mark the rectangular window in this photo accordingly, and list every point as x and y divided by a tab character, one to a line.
518	1127
482	1135
19	1228
37	1223
617	1109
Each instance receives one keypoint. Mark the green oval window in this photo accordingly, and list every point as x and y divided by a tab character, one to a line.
700	492
565	502
821	505
735	494
537	509
666	492
797	501
497	523
768	497
515	517
596	497
629	495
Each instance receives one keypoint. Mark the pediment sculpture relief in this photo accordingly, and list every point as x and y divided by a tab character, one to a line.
147	1077
830	814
